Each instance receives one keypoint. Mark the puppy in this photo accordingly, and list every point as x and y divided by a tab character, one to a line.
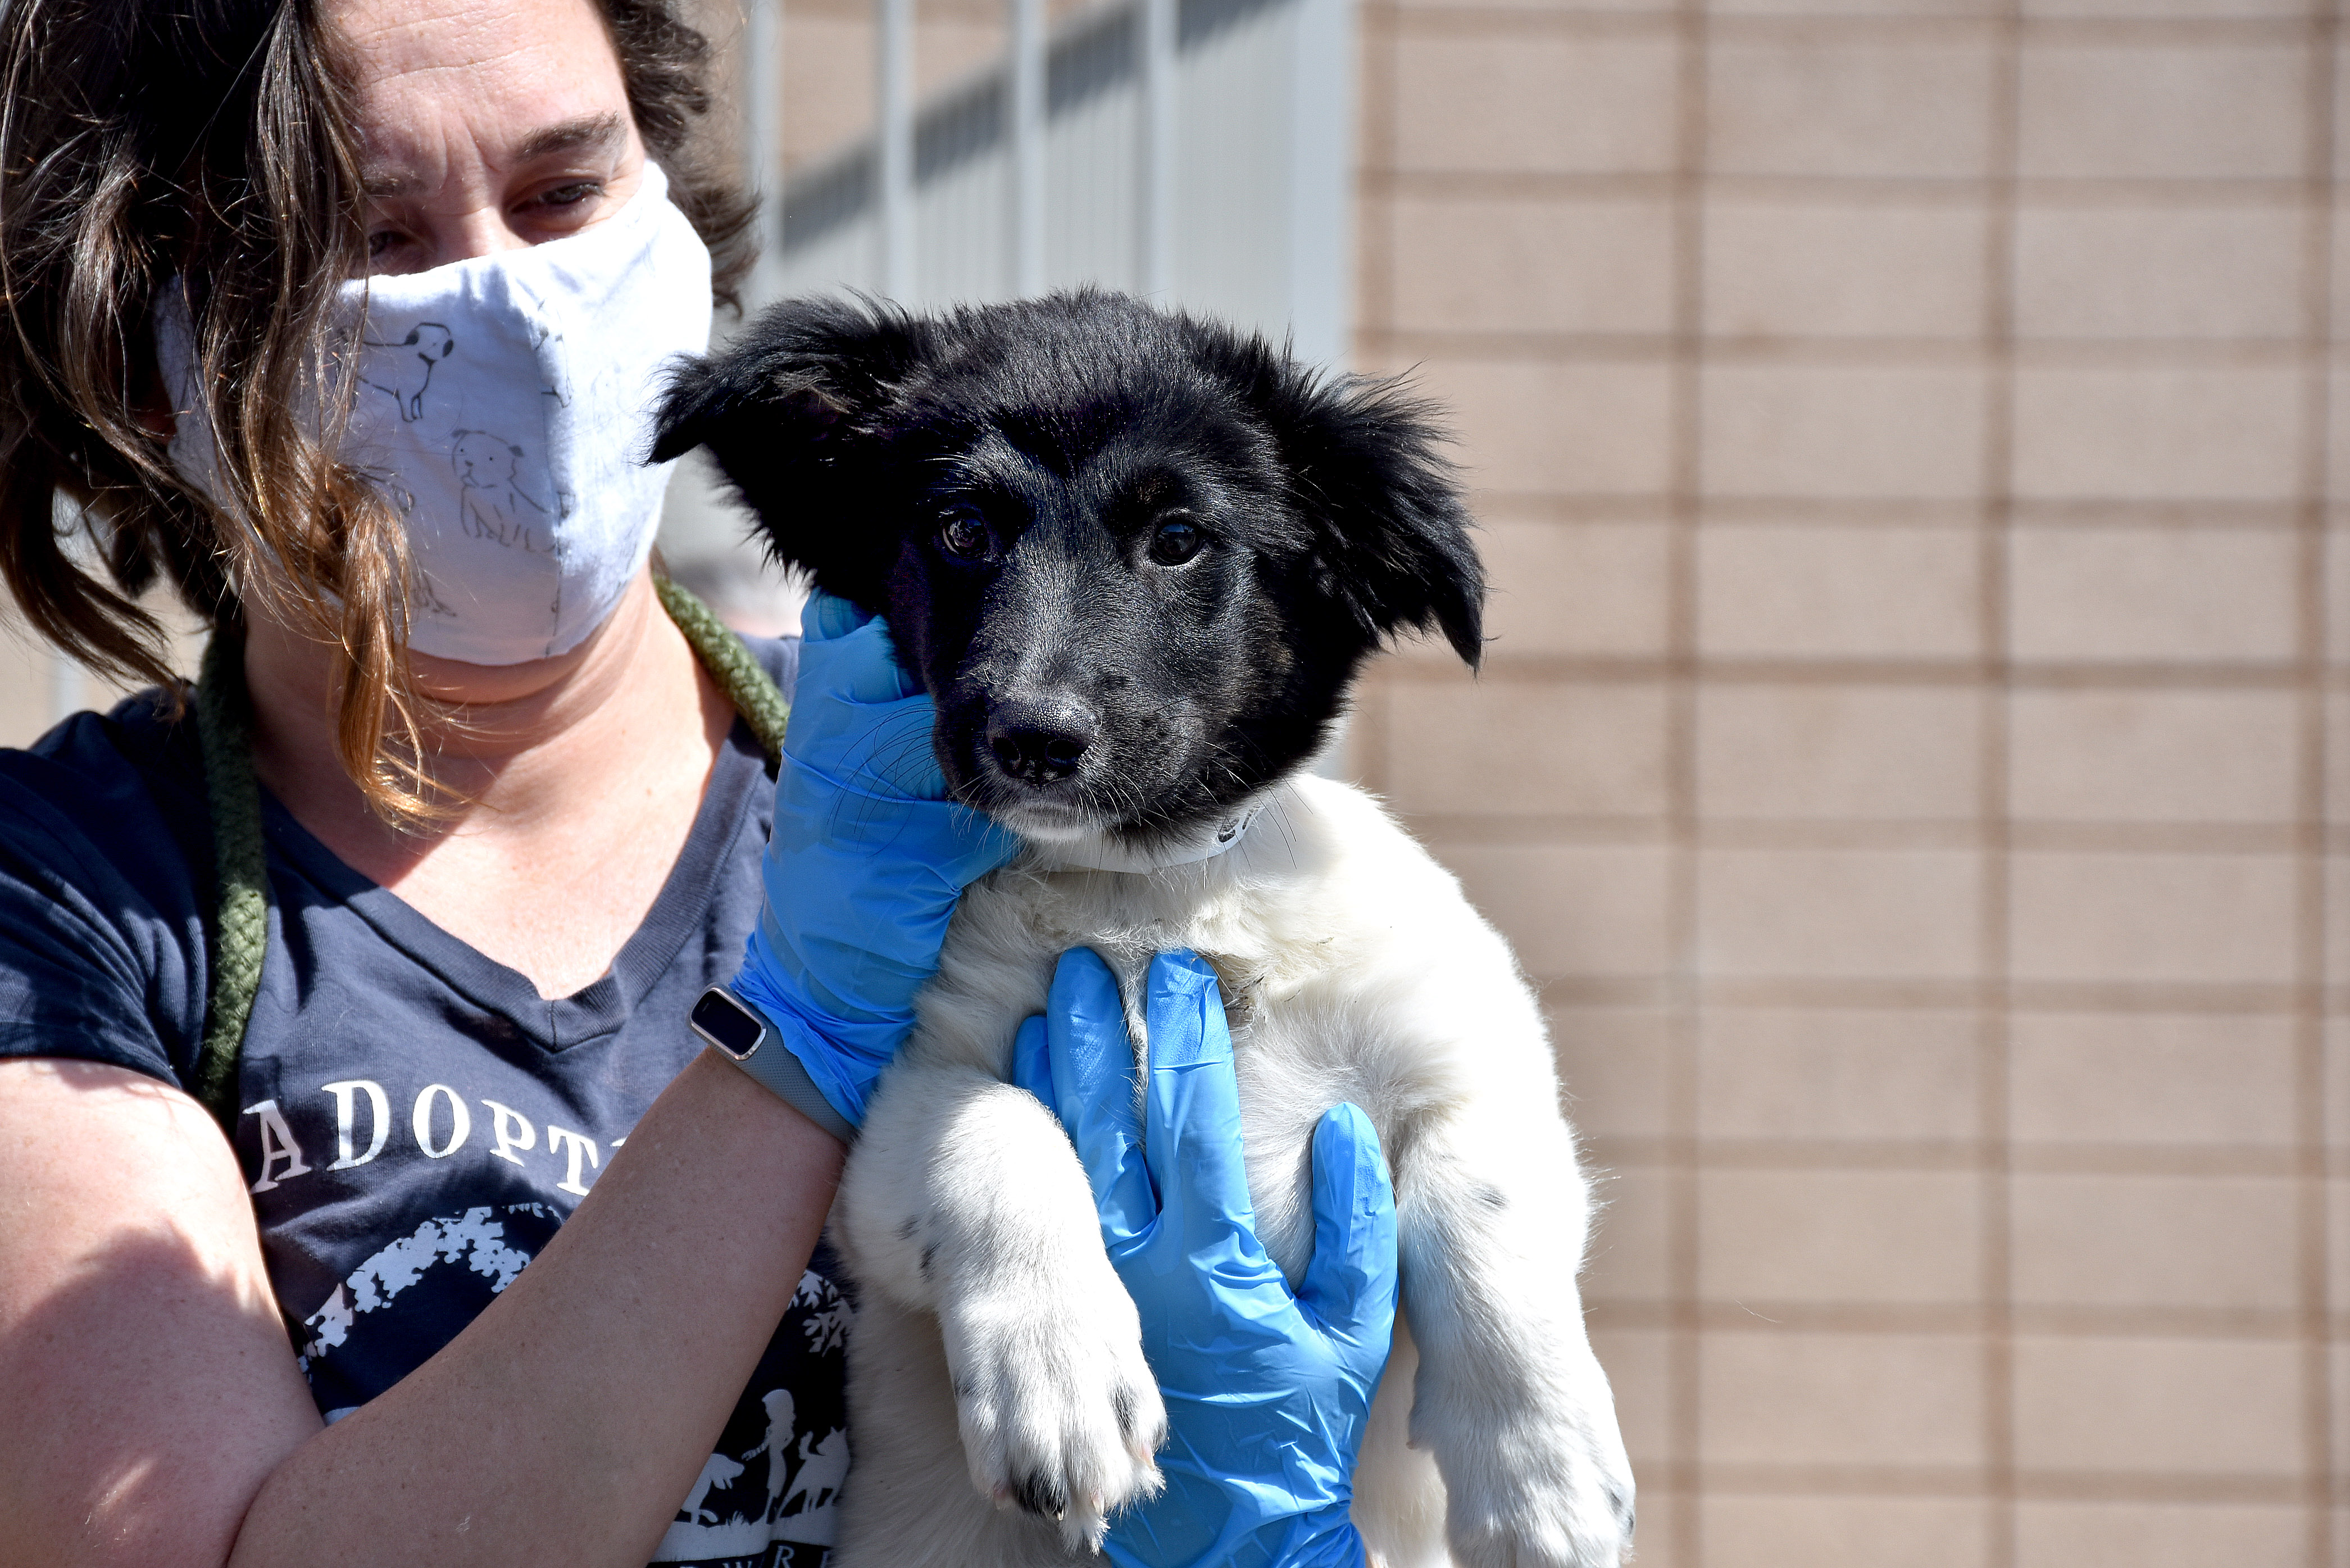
1138	559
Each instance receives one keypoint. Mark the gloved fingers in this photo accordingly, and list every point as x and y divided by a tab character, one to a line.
1338	1545
1091	1073
1191	1106
826	616
983	844
858	663
877	857
860	719
880	748
1349	1286
1032	1061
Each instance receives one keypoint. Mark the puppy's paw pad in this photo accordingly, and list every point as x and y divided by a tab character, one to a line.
1060	1414
1041	1495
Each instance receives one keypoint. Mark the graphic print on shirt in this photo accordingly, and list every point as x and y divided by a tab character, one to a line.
460	1261
770	1494
768	1497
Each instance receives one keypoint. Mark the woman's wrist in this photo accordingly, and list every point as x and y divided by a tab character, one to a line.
747	1030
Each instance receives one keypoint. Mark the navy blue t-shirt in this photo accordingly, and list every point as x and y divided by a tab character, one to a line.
417	1119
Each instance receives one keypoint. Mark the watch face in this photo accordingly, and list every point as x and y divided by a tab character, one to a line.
726	1023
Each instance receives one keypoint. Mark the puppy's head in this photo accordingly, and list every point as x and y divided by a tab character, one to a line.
1137	557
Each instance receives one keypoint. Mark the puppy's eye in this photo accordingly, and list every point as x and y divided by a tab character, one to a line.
1175	541
965	536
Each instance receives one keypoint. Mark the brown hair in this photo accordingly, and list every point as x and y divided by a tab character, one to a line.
206	141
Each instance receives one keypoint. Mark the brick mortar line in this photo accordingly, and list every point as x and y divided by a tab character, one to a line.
2318	1412
1685	439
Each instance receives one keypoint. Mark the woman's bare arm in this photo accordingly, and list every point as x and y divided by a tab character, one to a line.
154	1413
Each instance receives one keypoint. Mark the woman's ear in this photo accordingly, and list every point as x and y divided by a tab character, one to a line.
786	413
1390	530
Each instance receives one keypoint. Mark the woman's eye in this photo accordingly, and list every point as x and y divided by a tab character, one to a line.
570	195
1175	542
964	537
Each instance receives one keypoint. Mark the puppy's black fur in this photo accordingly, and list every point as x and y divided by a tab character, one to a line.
1135	556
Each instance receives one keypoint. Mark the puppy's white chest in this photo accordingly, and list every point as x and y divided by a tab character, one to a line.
1300	1040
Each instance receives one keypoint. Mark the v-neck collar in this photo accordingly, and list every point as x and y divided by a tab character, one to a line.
604	1004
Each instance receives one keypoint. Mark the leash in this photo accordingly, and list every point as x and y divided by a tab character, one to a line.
241	857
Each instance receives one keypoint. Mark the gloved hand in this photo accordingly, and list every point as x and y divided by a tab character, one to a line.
865	863
1266	1392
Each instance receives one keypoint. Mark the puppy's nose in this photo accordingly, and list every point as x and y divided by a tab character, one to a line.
1040	742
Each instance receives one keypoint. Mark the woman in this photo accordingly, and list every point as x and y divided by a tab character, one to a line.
512	826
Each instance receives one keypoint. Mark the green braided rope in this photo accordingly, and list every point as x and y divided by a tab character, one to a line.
240	927
241	932
731	664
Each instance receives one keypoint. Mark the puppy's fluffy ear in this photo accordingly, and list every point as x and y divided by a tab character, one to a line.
1390	530
786	412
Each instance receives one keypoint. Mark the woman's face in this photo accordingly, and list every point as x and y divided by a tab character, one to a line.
483	125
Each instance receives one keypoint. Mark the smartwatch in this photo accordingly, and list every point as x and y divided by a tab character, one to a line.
740	1032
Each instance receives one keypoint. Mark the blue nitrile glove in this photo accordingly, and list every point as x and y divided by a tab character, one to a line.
1266	1392
865	863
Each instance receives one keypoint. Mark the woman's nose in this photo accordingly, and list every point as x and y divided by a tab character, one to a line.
480	231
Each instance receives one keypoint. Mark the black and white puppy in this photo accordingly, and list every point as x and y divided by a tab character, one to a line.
1138	559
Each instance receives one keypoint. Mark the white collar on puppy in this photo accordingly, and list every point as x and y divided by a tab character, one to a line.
1098	852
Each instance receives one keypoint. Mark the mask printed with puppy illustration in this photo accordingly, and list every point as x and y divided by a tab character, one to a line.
504	404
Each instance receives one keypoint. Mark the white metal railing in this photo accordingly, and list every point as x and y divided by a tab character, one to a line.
1197	151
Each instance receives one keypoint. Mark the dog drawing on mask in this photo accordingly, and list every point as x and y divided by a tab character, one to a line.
496	507
1138	559
406	377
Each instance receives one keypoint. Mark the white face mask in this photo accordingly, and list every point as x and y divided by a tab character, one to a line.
503	404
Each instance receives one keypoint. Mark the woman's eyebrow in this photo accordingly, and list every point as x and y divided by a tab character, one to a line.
594	131
590	132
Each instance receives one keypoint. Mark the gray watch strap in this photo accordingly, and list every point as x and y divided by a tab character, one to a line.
773	1066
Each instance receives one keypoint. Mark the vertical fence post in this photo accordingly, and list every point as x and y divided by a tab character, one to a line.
763	139
1320	221
894	99
1322	181
67	686
1155	184
1027	110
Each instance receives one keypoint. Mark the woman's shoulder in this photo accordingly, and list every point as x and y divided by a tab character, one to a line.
145	729
109	782
105	849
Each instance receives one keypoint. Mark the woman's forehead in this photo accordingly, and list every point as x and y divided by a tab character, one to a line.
433	78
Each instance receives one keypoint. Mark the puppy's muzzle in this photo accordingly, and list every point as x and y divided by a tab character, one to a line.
1041	742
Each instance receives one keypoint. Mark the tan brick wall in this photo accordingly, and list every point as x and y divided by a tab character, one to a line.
1912	756
1911	752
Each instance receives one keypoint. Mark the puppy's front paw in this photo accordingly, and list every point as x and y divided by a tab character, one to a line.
1554	1491
1505	1520
1058	1409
